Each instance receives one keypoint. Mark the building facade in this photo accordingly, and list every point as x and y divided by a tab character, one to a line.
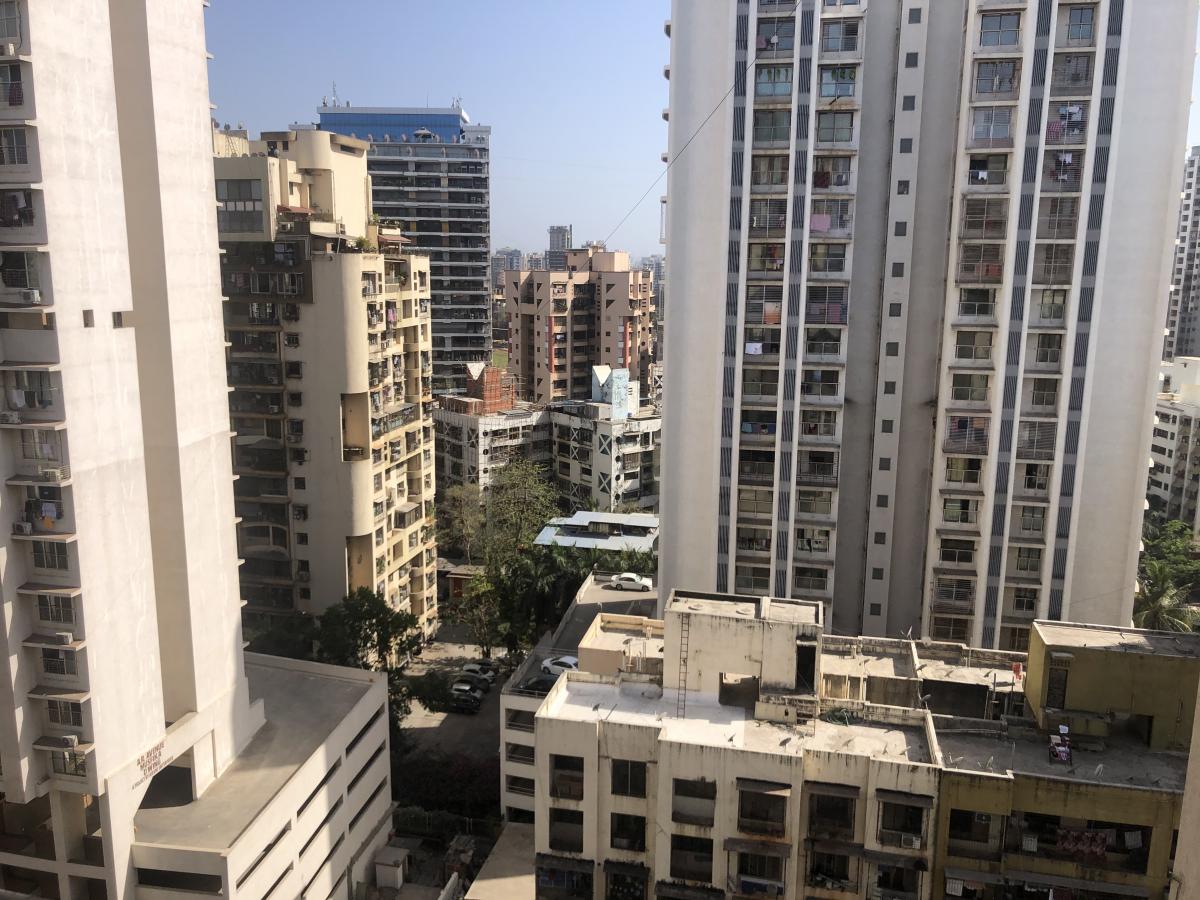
595	312
1183	306
734	749
601	455
328	328
560	241
143	755
920	241
430	174
504	260
1171	491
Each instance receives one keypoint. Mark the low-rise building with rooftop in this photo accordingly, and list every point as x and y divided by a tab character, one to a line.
732	749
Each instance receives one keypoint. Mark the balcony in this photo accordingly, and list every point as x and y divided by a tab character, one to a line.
825	314
980	272
818	474
953	601
1044	359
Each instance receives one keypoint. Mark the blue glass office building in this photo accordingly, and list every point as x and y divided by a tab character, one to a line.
430	174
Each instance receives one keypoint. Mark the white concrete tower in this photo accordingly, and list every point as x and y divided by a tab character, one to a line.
124	677
843	235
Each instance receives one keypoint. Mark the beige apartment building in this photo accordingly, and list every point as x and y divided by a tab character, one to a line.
733	749
906	377
143	754
328	334
597	311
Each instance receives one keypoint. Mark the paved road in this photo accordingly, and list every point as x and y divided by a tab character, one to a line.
475	735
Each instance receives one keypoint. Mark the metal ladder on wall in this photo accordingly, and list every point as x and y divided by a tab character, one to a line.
685	627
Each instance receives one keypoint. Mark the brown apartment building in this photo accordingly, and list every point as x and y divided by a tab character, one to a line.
596	312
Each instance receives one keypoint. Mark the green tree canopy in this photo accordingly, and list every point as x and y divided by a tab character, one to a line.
365	632
1161	604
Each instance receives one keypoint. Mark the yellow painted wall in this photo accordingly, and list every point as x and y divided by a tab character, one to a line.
1105	681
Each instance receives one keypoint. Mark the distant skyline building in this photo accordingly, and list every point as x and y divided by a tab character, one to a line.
534	261
595	311
919	265
560	242
504	260
1183	308
430	174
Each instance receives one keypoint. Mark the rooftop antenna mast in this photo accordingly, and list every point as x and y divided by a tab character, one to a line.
334	94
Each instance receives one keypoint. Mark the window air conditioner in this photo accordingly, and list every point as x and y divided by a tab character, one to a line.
22	528
10	49
910	842
10	418
64	637
71	740
32	296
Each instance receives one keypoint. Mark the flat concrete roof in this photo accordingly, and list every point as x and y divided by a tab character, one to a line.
999	677
1121	762
709	723
797	612
302	710
1107	637
507	873
610	633
866	665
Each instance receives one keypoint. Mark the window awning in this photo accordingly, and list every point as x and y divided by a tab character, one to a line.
894	859
832	790
772	788
637	870
974	875
61	744
665	889
1079	884
842	848
56	692
767	848
565	863
905	798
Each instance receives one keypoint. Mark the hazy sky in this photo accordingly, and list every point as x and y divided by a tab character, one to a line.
573	91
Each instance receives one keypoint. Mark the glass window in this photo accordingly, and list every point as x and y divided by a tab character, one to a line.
996	77
772	125
239	204
13	151
991	125
1081	24
776	34
773	81
768	170
827	257
63	712
831	171
1000	30
835	126
10	21
67	763
55	609
628	778
50	555
839	36
838	81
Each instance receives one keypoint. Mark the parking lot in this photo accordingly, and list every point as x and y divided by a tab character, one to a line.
476	735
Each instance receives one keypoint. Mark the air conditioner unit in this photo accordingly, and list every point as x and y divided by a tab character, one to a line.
10	418
274	408
53	473
70	740
910	842
10	49
22	528
32	296
295	438
64	637
1029	843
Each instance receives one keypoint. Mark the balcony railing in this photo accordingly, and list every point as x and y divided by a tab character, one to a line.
817	473
566	785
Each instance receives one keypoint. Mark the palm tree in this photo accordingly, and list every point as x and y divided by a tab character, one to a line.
1161	604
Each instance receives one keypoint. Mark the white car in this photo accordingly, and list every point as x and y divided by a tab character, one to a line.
480	671
629	581
556	665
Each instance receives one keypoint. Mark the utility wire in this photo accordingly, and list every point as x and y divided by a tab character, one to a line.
745	74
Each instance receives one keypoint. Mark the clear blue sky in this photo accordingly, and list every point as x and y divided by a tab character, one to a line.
573	91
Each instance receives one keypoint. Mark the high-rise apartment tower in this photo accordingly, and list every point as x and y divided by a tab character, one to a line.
1182	336
560	242
430	174
329	362
919	262
143	753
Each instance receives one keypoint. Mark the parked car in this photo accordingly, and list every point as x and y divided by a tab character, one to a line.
464	703
480	671
556	665
631	581
538	684
466	689
478	682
